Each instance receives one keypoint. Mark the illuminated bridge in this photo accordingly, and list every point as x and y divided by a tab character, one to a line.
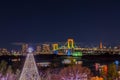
71	48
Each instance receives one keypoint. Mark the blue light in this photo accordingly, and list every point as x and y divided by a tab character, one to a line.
30	49
56	52
69	52
116	62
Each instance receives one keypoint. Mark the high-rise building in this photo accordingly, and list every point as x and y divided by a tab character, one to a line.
24	48
38	49
101	45
46	48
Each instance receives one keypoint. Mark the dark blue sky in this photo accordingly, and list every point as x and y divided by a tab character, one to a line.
87	21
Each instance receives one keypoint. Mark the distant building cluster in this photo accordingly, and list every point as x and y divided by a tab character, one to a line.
68	48
4	51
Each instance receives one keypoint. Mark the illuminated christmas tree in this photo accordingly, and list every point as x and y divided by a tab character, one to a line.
29	71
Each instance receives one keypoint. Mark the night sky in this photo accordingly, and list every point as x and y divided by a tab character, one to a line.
87	21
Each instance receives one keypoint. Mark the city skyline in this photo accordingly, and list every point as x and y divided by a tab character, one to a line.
56	21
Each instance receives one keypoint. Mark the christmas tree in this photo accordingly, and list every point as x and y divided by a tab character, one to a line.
30	71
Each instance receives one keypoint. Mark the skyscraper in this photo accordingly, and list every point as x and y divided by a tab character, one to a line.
101	45
24	48
38	49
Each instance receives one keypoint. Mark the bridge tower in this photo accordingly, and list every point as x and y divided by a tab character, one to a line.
55	48
70	43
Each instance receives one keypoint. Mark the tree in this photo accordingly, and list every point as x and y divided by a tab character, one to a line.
9	69
112	71
49	74
30	71
17	73
96	78
75	72
3	67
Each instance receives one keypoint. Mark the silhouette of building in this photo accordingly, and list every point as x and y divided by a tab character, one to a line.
24	48
38	49
101	45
